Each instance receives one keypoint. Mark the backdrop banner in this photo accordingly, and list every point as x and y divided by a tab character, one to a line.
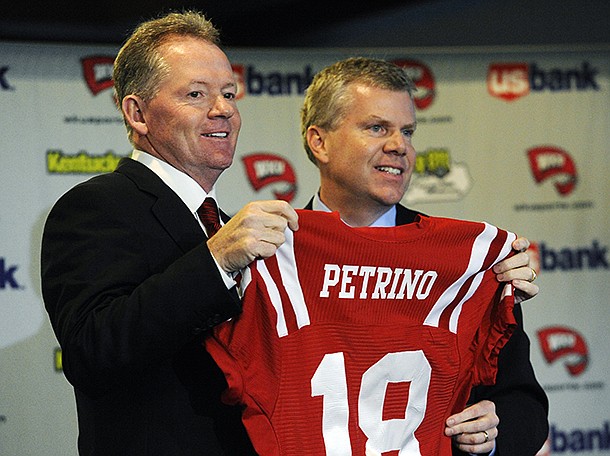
517	137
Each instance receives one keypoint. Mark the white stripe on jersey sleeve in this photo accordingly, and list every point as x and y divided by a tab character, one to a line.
504	251
274	296
479	250
290	279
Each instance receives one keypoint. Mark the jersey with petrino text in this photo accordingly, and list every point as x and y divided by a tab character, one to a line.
362	341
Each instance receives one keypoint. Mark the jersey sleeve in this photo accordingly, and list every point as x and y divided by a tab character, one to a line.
496	328
249	355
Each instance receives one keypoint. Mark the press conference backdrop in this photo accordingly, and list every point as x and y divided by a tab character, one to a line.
517	137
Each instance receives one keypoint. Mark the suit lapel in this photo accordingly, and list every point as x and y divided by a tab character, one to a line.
405	215
169	210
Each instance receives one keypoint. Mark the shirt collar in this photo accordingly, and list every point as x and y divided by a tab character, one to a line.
181	183
386	219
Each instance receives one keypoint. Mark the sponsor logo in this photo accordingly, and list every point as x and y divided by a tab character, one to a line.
57	360
8	279
435	178
566	344
549	259
578	440
424	82
252	81
553	163
4	84
510	81
97	71
264	169
81	163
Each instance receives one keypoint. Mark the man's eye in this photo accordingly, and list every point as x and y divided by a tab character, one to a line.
376	128
194	94
408	132
229	96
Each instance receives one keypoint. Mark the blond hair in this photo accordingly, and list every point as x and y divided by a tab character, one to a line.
326	99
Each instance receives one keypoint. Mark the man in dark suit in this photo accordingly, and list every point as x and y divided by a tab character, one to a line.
131	277
357	123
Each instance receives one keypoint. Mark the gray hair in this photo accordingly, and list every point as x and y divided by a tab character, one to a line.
139	68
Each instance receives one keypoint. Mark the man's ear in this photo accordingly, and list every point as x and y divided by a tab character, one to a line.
132	109
316	137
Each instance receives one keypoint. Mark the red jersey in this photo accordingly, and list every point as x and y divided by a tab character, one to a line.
362	341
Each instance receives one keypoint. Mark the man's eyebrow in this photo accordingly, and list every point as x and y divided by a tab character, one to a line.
383	121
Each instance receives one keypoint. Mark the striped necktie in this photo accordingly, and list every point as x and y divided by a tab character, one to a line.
208	214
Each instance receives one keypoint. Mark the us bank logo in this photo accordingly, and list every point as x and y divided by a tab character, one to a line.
513	80
547	258
254	81
8	275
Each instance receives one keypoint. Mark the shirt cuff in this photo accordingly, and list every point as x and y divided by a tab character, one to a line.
490	454
227	277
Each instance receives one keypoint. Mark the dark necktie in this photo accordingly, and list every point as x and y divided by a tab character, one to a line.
208	213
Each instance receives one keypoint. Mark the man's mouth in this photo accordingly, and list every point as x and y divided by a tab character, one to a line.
390	170
219	134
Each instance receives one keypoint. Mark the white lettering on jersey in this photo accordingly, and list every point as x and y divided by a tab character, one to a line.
385	282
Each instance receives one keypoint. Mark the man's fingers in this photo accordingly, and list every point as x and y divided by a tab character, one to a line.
276	208
518	261
520	244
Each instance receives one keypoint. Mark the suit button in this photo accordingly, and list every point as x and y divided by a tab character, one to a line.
214	320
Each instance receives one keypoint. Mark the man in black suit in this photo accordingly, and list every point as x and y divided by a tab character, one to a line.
131	277
357	123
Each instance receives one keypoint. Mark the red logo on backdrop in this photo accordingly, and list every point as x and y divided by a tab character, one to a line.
424	81
508	81
548	162
265	169
560	342
98	73
240	79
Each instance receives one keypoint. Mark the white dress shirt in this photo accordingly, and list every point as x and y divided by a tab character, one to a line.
189	191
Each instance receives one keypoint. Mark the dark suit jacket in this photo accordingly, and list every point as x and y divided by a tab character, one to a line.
131	288
521	403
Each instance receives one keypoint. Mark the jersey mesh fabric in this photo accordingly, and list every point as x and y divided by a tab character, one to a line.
362	341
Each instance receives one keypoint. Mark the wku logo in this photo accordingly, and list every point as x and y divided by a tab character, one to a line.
424	82
560	342
98	73
548	162
264	169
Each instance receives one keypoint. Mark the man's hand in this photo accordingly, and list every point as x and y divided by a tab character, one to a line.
474	430
256	231
517	270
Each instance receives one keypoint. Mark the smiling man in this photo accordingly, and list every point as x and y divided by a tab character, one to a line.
357	124
132	278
